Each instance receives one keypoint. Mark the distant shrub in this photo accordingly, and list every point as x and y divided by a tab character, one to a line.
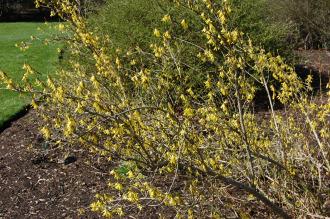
130	23
256	19
310	18
131	27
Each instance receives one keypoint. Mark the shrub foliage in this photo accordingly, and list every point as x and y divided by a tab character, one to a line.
183	149
130	23
310	18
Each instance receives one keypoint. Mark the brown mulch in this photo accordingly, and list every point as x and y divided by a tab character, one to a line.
38	182
318	59
315	62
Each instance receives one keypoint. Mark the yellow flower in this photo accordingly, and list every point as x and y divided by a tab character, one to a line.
34	104
70	126
96	206
156	32
132	197
212	117
61	27
167	35
118	186
166	19
45	132
222	17
184	24
188	112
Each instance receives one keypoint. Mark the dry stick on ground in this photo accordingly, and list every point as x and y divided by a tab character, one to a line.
251	190
232	182
276	209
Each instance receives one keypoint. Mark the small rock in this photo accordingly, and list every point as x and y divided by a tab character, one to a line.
39	160
70	159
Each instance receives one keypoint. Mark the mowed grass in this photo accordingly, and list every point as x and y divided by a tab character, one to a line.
41	57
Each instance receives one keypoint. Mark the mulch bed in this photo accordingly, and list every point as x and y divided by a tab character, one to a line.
38	182
318	59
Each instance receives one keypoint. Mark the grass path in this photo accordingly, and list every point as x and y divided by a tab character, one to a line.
42	57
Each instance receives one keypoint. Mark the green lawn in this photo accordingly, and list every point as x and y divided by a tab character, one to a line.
43	58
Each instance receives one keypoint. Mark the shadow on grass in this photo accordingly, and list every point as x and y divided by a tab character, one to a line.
19	114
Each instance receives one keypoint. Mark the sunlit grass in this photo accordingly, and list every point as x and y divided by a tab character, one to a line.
42	57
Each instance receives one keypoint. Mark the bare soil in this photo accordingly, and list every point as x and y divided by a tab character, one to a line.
38	182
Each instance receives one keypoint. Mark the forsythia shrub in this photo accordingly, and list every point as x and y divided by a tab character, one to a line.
190	154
